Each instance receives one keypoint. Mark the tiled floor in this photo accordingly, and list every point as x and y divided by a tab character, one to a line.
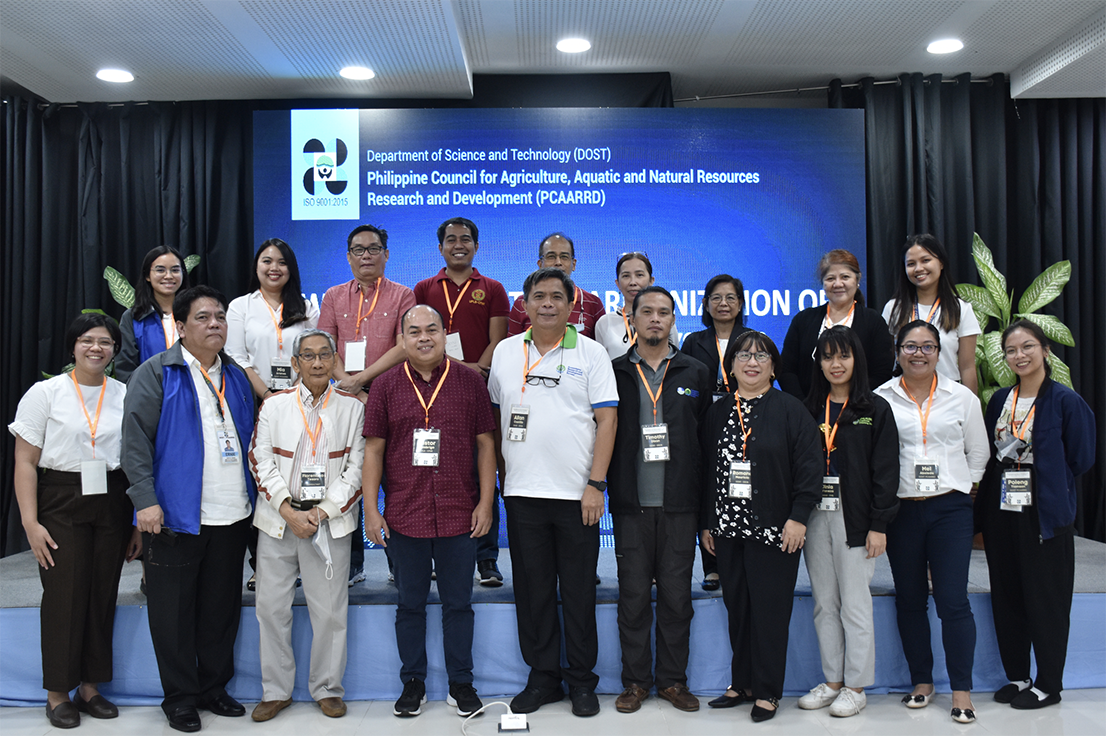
1082	713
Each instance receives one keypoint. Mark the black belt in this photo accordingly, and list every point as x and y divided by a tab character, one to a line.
303	505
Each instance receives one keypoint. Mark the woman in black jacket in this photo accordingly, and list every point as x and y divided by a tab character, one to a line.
762	476
847	531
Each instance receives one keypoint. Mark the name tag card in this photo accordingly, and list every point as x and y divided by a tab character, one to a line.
312	482
355	356
1017	490
94	477
280	374
654	442
741	480
427	444
228	448
926	474
520	419
831	493
453	346
718	395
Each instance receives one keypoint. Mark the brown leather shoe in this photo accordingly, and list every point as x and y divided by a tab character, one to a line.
267	709
630	700
333	707
680	697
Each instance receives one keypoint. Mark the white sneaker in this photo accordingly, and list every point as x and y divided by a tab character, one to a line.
819	697
848	703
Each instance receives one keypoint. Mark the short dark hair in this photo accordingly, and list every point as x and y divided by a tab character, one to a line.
293	309
1034	329
652	290
144	300
543	274
462	221
840	340
724	278
91	320
557	234
633	255
403	319
750	340
913	325
380	233
182	303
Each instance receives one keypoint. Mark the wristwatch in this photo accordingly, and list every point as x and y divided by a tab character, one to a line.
600	484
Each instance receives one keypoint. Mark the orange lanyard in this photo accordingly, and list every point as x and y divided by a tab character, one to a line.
741	419
722	368
932	310
372	307
830	435
526	351
654	398
433	396
169	327
1025	422
923	417
850	314
453	307
276	323
218	393
318	420
99	405
631	337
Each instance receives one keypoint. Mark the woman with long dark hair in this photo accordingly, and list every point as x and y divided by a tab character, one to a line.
148	327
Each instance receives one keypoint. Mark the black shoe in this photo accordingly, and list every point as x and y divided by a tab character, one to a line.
490	577
584	702
759	715
711	583
63	715
463	697
724	701
251	584
1007	693
410	702
184	718
224	705
532	698
1028	700
97	706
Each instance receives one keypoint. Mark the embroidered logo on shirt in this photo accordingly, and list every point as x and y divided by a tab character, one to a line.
478	296
867	421
687	392
571	370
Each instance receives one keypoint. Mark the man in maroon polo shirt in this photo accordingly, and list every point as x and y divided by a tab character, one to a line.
558	251
425	421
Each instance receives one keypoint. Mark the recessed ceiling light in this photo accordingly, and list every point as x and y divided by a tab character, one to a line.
945	46
357	72
573	45
115	75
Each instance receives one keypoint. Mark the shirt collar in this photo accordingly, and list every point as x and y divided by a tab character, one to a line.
193	361
434	374
570	338
635	358
443	276
307	397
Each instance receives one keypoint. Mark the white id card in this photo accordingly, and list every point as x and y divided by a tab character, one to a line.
312	482
520	418
741	480
654	442
427	445
280	374
94	477
831	493
453	346
926	473
718	395
228	448
355	356
1017	490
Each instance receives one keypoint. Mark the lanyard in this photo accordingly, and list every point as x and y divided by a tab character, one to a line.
831	323
575	298
526	351
828	434
654	398
932	310
722	368
453	307
219	394
631	337
1013	410
372	307
744	432
318	420
169	327
99	405
276	323
925	417
433	396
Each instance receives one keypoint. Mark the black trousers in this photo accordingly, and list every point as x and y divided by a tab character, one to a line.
758	588
1031	589
77	616
194	591
654	544
549	545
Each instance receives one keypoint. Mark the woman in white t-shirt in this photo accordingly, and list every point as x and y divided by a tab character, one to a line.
926	292
613	330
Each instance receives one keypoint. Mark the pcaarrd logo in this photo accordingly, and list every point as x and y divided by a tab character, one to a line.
325	166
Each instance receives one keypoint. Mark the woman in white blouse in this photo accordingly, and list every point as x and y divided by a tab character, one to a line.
73	502
943	450
633	272
262	324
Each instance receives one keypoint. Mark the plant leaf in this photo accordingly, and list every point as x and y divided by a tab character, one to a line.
986	393
1046	287
996	288
981	302
1056	330
94	311
121	290
980	250
996	361
191	262
1060	371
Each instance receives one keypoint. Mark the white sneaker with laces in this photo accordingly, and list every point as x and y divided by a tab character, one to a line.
819	697
848	703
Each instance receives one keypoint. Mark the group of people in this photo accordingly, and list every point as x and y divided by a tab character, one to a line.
270	415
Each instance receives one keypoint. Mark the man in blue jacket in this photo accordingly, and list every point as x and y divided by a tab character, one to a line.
188	416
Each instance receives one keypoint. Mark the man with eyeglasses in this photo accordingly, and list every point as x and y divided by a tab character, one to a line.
558	251
425	421
556	401
306	456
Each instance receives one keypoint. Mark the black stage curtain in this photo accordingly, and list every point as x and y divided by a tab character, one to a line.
953	157
94	185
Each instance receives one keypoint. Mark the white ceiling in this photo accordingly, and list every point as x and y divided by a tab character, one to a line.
270	49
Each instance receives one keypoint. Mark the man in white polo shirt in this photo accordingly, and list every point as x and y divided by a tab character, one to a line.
555	398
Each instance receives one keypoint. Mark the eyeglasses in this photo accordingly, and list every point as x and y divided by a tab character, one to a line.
162	270
547	381
910	348
719	298
312	357
557	257
103	342
372	250
761	357
1026	349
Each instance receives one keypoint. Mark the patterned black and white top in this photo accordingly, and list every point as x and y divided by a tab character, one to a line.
734	517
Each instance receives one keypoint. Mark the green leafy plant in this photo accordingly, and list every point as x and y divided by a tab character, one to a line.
993	301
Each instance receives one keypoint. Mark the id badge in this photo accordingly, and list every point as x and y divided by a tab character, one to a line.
741	480
94	477
831	493
280	374
427	444
1017	490
654	442
719	395
355	356
926	473
228	448
453	346
312	482
516	427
